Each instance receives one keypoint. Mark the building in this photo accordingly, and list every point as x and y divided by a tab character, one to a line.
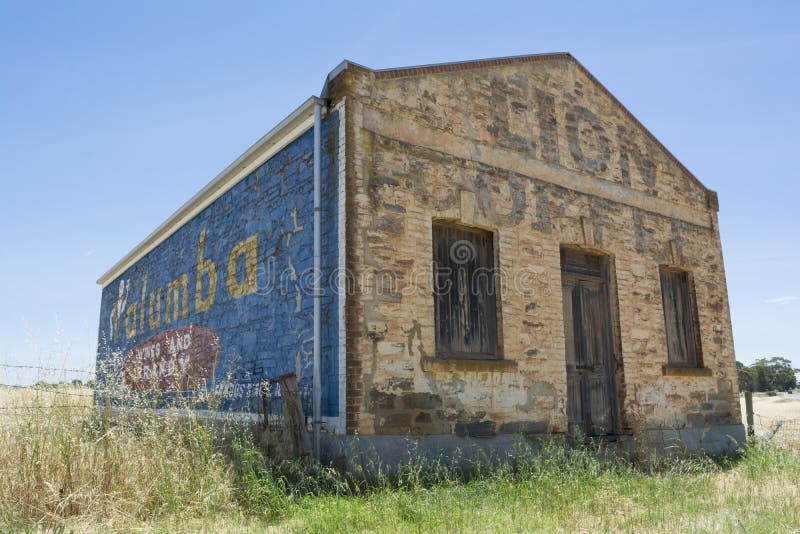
503	249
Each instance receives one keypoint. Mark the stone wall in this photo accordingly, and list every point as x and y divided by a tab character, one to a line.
540	153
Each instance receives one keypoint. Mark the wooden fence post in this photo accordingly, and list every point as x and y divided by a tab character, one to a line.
266	397
295	423
748	406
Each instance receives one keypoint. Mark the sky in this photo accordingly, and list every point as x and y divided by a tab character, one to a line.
113	114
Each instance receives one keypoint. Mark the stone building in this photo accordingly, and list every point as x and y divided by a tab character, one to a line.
504	249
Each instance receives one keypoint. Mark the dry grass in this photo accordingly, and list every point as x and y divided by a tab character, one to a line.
61	458
781	406
17	403
76	468
16	397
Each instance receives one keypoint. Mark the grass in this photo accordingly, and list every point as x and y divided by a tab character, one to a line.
575	491
78	469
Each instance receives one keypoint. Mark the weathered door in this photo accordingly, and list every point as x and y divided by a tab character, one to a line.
591	391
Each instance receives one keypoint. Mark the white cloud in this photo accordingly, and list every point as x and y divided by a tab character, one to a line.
786	299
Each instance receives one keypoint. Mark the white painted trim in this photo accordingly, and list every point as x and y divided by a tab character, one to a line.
289	129
342	266
330	425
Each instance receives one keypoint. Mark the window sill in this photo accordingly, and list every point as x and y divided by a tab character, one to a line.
452	365
667	370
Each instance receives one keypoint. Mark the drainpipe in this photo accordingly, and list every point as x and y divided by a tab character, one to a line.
317	381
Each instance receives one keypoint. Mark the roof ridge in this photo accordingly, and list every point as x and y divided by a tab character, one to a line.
476	63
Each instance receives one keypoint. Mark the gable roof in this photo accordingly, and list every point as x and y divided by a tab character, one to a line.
299	121
439	68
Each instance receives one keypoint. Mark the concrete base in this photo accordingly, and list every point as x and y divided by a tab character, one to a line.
721	439
387	452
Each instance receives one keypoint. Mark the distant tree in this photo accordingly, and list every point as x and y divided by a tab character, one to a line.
745	377
774	373
760	379
784	376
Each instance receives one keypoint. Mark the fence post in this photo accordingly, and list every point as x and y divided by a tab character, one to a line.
748	406
266	397
295	425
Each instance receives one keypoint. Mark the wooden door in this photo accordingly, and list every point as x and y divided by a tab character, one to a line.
591	392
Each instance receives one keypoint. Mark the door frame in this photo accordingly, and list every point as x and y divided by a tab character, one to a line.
611	371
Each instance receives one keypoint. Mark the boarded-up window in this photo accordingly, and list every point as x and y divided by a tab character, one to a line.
464	292
680	318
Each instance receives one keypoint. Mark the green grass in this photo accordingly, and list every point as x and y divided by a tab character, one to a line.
560	490
85	472
576	492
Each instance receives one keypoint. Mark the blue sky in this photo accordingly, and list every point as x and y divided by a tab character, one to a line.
113	114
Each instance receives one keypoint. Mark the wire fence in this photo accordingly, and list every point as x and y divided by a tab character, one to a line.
779	430
263	398
52	389
41	368
36	389
43	408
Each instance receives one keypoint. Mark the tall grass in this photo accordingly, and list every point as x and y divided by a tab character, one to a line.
65	461
83	466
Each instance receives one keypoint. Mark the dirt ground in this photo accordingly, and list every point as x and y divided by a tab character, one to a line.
781	406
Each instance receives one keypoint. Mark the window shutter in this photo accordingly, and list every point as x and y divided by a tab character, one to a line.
464	287
680	318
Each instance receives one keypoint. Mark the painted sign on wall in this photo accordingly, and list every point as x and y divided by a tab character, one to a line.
178	359
227	298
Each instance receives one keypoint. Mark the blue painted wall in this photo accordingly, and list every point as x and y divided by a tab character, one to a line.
261	333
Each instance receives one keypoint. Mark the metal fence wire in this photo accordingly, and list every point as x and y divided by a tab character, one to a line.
263	398
56	388
47	369
782	432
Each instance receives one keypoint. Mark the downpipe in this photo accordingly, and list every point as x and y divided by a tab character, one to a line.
317	370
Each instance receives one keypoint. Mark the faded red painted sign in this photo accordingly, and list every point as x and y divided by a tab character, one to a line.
179	359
